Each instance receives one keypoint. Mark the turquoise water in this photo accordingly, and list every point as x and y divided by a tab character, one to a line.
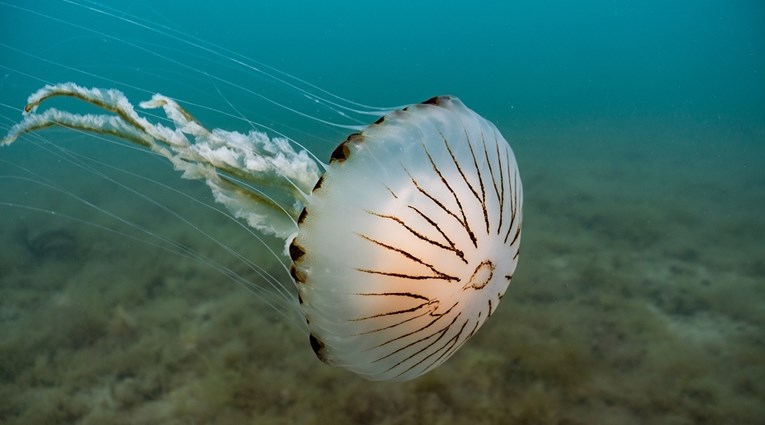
639	131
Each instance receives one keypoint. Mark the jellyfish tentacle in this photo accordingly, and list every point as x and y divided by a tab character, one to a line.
284	296
245	62
260	179
100	124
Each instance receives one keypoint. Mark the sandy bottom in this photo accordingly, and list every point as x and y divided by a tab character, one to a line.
639	299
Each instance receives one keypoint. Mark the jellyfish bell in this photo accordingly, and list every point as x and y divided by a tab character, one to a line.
401	249
409	240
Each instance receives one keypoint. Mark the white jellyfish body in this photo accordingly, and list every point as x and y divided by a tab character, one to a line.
409	241
400	252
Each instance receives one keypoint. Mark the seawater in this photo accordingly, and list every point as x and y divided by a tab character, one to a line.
639	132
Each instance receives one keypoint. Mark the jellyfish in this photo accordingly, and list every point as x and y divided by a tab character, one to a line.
401	246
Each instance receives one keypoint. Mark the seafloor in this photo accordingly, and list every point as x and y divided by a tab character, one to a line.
638	299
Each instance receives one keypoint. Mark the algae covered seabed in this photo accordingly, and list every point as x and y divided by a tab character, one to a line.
638	299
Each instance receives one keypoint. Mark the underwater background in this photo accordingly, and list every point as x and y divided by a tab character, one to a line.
639	129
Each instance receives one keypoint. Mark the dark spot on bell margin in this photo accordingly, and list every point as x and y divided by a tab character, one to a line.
342	151
303	215
318	184
435	100
296	251
297	275
318	348
380	120
300	299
